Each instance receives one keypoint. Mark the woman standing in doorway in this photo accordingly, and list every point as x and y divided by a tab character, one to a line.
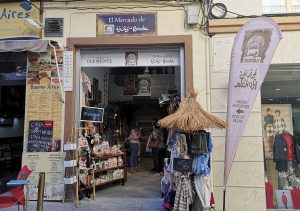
133	138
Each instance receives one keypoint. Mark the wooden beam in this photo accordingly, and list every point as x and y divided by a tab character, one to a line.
221	26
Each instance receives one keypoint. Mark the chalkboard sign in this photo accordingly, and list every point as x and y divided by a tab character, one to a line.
92	114
40	136
183	165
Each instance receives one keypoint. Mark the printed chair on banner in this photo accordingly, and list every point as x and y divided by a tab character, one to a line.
16	196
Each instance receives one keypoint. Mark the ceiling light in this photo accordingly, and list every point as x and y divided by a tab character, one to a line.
271	99
298	99
277	89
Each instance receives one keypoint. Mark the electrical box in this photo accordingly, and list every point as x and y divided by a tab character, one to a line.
193	14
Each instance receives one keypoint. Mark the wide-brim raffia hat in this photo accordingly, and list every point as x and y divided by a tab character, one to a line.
191	117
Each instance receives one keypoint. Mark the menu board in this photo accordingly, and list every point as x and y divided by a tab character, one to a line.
40	136
44	99
52	163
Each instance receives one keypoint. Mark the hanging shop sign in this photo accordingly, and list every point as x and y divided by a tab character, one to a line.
130	58
52	164
92	114
126	24
252	52
43	100
12	23
183	165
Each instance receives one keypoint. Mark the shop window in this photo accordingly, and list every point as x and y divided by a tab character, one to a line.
281	135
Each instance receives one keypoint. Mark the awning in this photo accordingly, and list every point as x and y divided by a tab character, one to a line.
24	45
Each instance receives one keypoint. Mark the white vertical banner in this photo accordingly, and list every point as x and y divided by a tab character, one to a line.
251	55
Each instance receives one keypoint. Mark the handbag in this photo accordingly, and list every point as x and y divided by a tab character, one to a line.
152	143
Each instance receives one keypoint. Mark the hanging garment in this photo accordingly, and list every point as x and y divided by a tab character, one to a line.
202	184
209	142
199	143
181	146
269	195
289	146
201	165
279	125
184	196
295	193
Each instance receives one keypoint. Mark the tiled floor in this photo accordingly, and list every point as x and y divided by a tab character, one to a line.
140	193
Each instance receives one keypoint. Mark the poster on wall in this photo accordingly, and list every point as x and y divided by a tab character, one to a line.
43	98
275	119
53	165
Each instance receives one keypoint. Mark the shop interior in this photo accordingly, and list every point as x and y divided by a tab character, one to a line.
12	110
130	96
281	118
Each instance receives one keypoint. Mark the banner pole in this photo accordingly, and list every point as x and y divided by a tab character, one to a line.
224	198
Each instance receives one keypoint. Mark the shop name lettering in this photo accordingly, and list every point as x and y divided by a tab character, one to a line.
99	60
12	14
42	87
131	28
247	79
127	29
158	59
133	19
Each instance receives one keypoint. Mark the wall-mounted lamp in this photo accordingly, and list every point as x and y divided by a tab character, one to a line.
27	5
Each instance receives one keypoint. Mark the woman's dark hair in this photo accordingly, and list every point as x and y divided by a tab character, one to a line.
268	109
277	111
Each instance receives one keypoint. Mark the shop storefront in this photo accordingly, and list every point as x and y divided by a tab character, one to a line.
280	105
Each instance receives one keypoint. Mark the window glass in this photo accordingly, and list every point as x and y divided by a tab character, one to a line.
281	136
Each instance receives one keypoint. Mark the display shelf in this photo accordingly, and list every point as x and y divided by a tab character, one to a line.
107	156
107	169
110	181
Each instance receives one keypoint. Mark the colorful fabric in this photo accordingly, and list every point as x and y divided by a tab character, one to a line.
295	193
269	195
269	130
184	196
199	143
201	165
289	146
203	190
209	142
279	125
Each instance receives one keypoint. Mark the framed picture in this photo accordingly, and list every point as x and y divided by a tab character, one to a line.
284	199
130	85
272	113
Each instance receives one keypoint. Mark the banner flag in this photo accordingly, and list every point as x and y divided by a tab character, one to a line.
251	55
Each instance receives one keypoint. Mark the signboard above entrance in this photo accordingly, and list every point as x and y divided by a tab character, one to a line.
126	24
12	23
149	58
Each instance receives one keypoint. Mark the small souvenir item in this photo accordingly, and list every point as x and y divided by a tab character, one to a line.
82	163
82	142
120	161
